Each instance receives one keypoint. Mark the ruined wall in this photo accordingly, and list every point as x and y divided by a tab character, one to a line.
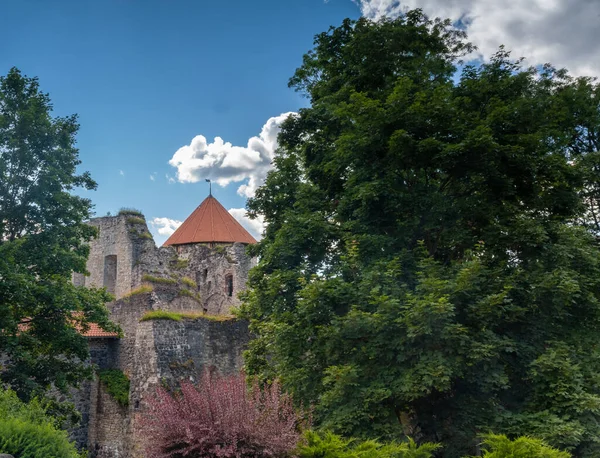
103	354
184	349
124	254
110	261
168	352
109	426
195	278
207	267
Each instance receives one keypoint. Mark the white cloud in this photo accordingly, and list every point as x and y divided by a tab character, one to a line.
562	32
153	176
165	226
225	163
121	173
254	226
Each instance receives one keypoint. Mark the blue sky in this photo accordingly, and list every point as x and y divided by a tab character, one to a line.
147	76
155	81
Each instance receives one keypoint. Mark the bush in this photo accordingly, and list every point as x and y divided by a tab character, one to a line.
117	385
329	445
27	432
499	446
221	418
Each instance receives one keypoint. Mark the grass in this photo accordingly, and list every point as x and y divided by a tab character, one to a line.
220	249
131	212
178	316
136	220
187	281
179	264
161	280
141	290
117	385
187	293
145	235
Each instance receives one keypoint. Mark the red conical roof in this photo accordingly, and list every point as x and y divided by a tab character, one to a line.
210	222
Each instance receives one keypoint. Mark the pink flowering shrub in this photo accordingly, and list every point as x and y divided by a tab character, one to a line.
221	417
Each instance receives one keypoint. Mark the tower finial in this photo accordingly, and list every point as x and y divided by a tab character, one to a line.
209	187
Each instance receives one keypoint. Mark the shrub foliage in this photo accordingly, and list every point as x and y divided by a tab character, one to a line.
499	446
117	385
221	417
327	444
27	432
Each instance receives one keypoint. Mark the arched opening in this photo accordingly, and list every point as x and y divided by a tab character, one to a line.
110	273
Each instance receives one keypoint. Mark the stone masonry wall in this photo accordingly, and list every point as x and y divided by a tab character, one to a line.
168	352
161	352
113	243
109	427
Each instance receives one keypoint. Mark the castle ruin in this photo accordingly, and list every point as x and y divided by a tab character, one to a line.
199	270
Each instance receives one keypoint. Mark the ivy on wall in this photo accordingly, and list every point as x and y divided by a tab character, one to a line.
117	385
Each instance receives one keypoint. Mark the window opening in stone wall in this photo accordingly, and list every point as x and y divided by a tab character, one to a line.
229	285
201	277
110	273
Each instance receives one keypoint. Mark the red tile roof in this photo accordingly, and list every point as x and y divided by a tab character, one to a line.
210	222
96	331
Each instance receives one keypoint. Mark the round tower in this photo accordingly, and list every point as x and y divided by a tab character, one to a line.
212	244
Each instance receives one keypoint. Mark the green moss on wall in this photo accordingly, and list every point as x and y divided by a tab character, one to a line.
116	384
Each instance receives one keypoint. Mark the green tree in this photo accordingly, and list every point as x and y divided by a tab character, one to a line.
42	242
425	271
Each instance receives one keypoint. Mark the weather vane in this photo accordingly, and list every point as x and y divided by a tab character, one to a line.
209	187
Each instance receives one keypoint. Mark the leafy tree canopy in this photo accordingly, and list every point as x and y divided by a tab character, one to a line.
428	267
42	241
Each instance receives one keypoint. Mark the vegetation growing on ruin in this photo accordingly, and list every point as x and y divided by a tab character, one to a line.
219	249
117	385
179	263
159	280
131	212
136	220
189	282
178	316
140	290
145	235
188	293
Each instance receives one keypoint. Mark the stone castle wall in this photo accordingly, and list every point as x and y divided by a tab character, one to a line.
111	256
156	353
